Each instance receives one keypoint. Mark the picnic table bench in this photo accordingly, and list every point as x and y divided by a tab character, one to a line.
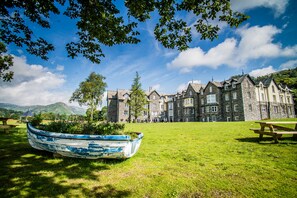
275	130
6	126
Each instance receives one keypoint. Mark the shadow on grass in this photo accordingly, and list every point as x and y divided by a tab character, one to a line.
268	140
27	172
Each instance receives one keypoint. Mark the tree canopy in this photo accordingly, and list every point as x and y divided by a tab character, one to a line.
100	23
137	99
90	92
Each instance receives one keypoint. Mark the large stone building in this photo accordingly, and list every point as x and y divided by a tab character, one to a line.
236	99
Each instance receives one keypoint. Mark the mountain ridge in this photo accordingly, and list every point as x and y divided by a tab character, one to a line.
56	108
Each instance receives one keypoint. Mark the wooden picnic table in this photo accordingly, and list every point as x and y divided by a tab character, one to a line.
275	129
4	125
4	121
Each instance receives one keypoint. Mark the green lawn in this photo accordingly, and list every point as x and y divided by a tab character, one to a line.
174	160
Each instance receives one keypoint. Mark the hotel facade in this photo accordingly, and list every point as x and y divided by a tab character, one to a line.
236	99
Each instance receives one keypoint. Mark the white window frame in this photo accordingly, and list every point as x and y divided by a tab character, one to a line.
227	108
211	98
234	95
213	108
233	85
235	108
227	97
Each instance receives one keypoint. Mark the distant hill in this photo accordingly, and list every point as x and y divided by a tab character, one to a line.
56	108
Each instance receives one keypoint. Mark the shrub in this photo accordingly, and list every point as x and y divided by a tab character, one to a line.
36	120
104	128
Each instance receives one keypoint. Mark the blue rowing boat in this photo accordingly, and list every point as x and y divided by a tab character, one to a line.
84	146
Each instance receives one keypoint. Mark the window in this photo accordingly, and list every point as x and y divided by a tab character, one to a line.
201	91
233	85
193	111
227	97
210	89
202	109
289	110
191	93
188	102
288	99
262	96
250	107
236	107
234	95
228	119
126	105
213	118
207	109
202	101
226	86
213	108
227	108
125	112
263	108
275	108
236	118
273	90
178	104
282	99
274	98
178	112
211	98
154	97
170	106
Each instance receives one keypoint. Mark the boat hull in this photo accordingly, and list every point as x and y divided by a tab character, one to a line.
84	146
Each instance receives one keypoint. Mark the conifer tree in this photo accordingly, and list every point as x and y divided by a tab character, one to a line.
137	99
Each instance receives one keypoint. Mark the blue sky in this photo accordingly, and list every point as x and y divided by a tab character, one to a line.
265	43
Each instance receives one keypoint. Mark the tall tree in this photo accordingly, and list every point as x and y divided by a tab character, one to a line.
100	23
137	99
5	64
90	92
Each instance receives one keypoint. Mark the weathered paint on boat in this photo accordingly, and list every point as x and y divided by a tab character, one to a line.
84	146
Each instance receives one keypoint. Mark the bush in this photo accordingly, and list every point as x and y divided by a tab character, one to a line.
104	128
36	120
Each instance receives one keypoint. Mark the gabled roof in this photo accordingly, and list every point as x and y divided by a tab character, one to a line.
111	94
218	84
121	93
196	87
238	79
149	93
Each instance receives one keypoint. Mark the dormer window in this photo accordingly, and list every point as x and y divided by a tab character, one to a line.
233	85
273	90
210	89
226	86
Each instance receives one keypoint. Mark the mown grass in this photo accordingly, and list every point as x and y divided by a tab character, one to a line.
174	160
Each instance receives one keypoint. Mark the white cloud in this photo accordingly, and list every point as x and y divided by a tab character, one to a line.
184	86
262	72
32	85
278	6
256	42
60	68
289	65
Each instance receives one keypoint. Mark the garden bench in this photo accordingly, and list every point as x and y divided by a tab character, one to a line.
275	130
